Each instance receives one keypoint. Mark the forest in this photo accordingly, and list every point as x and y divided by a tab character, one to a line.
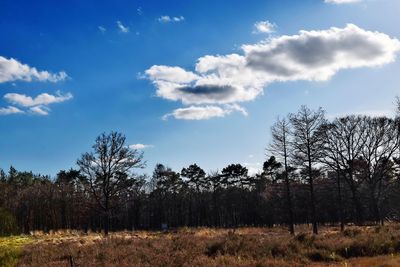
318	171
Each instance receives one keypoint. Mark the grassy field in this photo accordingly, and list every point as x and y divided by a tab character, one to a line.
357	246
11	248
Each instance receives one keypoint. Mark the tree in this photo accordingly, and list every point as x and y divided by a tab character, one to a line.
307	143
3	176
279	146
196	176
380	144
107	171
235	174
343	143
66	182
8	223
196	179
167	186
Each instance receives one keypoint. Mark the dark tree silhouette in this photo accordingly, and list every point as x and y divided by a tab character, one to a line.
307	144
280	146
195	177
380	144
107	171
347	169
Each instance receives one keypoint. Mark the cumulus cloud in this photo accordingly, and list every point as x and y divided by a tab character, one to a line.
13	70
235	78
264	27
42	99
10	110
37	105
140	146
122	28
318	55
166	19
338	2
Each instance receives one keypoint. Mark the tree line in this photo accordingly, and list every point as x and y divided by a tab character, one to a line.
317	171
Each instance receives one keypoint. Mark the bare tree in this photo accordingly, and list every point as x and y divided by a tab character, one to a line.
279	147
343	143
107	171
380	144
307	144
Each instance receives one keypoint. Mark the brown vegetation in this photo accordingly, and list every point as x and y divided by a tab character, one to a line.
219	247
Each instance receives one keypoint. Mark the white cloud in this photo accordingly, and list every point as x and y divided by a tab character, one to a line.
10	110
140	146
122	28
42	99
338	2
264	27
318	55
178	19
102	29
13	70
37	105
40	110
139	11
171	74
166	19
197	113
235	78
203	112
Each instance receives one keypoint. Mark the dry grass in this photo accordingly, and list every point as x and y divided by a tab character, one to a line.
358	246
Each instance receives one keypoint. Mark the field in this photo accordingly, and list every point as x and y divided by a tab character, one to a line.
357	246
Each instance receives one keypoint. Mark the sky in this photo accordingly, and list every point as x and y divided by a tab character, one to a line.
186	81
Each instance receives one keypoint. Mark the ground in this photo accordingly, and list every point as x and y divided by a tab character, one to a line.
357	246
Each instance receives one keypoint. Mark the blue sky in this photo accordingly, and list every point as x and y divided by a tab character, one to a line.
72	70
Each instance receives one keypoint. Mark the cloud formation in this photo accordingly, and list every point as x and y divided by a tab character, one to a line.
235	78
122	28
13	70
40	110
264	27
10	110
338	2
166	19
42	99
203	112
102	29
140	146
37	105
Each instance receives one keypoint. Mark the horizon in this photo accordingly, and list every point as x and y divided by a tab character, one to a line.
197	82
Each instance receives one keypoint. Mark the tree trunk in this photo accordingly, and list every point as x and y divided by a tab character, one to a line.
313	211
341	219
288	195
106	223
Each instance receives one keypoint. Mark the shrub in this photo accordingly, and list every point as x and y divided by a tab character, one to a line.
351	232
305	239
